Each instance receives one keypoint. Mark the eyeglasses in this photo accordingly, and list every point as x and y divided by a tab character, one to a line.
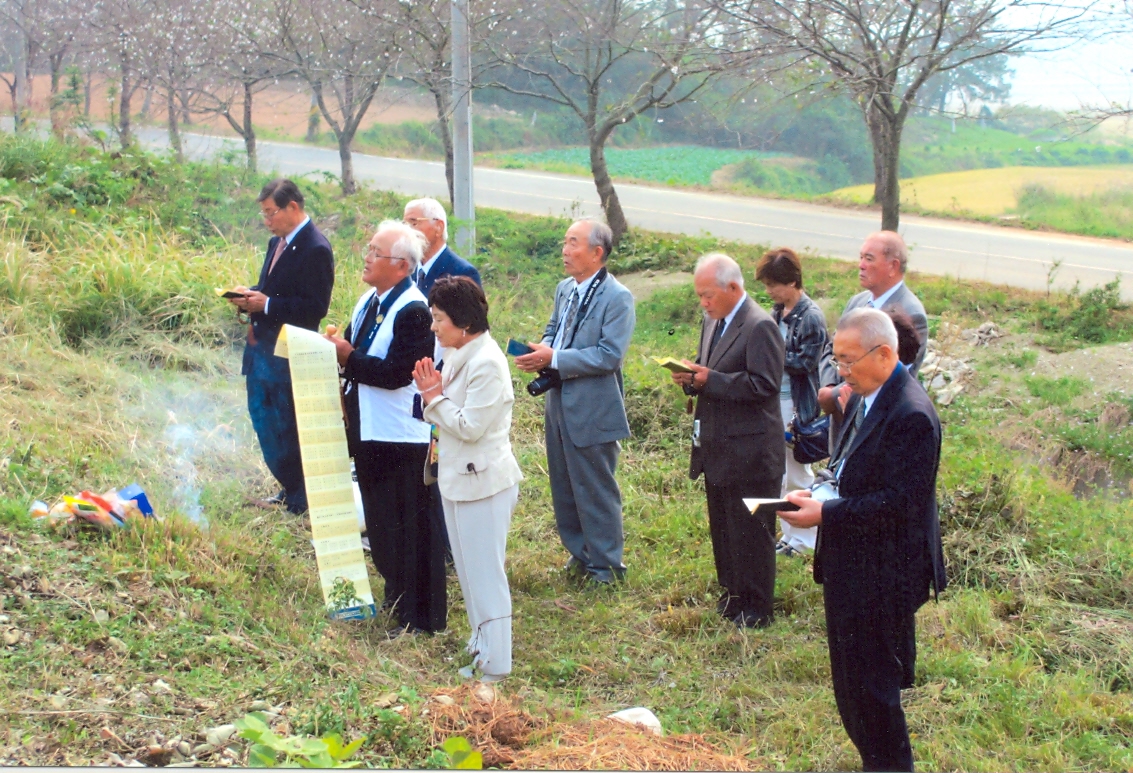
269	215
372	252
413	222
847	366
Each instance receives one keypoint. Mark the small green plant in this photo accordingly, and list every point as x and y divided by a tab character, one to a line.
343	595
1027	358
461	755
274	751
1056	391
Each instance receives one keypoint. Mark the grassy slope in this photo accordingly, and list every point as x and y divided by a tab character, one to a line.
1024	664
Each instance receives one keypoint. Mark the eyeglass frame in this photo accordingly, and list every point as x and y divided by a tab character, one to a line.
847	367
413	221
373	251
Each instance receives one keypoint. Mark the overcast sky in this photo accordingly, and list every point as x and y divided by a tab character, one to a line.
1088	73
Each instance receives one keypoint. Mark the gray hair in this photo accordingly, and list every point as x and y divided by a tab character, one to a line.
409	245
893	247
873	325
431	208
600	236
727	270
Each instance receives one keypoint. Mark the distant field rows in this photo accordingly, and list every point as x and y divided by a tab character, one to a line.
995	191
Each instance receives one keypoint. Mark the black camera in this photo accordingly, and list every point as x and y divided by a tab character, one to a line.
547	379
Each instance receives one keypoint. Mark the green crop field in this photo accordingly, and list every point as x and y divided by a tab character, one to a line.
680	165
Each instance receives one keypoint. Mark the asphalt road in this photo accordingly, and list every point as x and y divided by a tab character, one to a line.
996	254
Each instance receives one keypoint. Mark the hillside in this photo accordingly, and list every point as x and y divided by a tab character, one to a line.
117	364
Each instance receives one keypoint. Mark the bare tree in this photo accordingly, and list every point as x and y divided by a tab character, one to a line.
607	61
344	52
882	52
174	51
39	31
241	66
118	28
428	63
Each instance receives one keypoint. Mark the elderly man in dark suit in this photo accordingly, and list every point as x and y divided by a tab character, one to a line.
582	351
429	218
879	552
737	435
294	289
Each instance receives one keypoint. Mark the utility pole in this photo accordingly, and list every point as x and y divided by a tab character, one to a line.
462	204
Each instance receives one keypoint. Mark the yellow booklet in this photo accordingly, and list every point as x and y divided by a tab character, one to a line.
675	365
220	291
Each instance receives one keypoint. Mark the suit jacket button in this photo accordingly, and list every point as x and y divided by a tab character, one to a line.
471	467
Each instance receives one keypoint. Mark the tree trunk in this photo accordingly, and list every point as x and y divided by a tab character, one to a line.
445	131
186	114
249	130
885	136
313	119
615	218
349	187
87	93
56	63
124	133
147	104
174	132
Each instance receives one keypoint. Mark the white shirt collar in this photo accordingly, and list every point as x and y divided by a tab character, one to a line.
733	312
880	300
427	266
298	228
867	401
584	285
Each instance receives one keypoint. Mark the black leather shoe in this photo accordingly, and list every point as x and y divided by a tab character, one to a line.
748	620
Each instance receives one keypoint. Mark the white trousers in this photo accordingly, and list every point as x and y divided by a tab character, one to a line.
477	531
798	476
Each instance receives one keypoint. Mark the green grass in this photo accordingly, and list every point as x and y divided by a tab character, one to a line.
1024	664
1056	391
1105	213
679	165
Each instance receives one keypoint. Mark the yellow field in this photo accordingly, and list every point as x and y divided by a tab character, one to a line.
993	191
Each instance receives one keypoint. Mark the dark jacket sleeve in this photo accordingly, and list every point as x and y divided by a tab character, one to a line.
314	301
762	377
908	466
412	341
807	345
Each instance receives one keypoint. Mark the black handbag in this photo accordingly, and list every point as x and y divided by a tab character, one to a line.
811	441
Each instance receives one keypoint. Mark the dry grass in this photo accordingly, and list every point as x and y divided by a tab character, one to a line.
992	192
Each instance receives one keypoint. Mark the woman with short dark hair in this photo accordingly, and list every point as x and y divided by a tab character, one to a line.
803	326
470	404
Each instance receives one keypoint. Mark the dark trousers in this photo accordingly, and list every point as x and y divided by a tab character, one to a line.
405	537
872	656
743	546
272	411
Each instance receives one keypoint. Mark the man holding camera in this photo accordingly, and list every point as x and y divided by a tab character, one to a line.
579	363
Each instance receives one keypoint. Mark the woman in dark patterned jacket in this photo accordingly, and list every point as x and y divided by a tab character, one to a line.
803	326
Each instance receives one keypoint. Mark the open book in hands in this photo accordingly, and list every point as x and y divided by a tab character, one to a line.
221	292
768	506
675	365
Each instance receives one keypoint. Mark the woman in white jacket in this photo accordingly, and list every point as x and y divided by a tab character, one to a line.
470	404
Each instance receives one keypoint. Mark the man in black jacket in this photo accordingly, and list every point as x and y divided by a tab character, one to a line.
879	552
294	289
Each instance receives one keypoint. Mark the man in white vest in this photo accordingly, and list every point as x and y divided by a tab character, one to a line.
388	333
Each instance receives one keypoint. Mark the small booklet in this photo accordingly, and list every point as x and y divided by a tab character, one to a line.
765	506
675	365
220	291
517	348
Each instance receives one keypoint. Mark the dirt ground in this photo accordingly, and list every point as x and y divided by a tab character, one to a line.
282	108
644	283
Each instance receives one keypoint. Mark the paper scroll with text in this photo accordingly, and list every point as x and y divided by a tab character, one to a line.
326	470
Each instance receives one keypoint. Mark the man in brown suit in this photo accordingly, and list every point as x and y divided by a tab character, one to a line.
737	435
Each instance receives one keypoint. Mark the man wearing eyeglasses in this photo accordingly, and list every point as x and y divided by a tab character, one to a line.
428	217
878	552
389	331
295	286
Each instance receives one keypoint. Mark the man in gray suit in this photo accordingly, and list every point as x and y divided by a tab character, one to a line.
881	271
581	354
737	435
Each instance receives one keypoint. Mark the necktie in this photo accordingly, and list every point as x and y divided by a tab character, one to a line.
419	280
856	422
717	334
279	248
367	320
568	318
